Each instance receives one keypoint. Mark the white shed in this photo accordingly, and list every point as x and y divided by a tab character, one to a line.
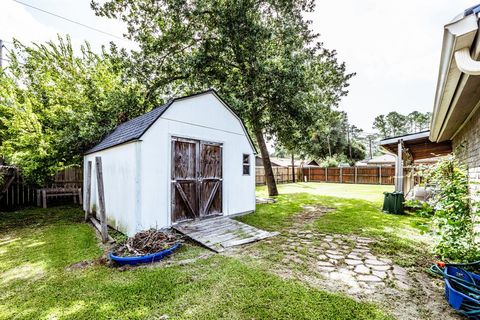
188	159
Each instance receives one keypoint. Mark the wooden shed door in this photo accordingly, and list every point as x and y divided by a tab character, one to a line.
196	179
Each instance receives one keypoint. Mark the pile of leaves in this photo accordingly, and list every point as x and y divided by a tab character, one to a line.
147	242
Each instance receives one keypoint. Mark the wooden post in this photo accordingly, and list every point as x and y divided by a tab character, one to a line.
44	198
356	179
309	174
341	175
80	196
380	175
39	198
293	168
89	190
101	199
326	174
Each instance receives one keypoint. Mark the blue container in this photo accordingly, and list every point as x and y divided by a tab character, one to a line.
149	258
459	300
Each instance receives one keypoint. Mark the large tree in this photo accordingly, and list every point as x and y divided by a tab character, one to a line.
260	55
394	123
334	136
54	105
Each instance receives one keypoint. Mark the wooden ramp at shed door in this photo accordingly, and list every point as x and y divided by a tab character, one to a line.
220	233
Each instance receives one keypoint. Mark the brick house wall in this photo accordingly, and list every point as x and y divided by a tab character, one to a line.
466	145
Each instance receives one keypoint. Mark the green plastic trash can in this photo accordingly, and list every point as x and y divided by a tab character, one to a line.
387	202
398	203
393	202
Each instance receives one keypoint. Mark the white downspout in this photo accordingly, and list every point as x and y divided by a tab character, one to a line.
399	167
465	63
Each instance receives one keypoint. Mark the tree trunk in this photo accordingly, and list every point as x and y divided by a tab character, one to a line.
349	143
370	147
329	147
293	168
267	165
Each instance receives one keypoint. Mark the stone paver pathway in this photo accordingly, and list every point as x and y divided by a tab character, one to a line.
346	264
345	259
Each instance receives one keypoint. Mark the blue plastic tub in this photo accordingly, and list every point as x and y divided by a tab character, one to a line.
460	301
149	258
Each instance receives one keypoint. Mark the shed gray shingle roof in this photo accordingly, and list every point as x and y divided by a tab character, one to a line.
130	130
135	128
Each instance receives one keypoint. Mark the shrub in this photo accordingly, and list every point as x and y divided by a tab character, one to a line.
421	208
333	161
453	223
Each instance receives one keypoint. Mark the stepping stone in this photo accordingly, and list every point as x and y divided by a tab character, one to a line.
369	278
332	251
325	269
352	262
399	271
353	257
324	264
386	260
335	256
361	269
374	262
380	274
332	246
380	268
322	257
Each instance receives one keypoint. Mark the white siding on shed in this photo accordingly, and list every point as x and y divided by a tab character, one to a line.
202	117
119	183
138	174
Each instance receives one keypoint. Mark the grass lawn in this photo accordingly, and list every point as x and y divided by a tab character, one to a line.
38	245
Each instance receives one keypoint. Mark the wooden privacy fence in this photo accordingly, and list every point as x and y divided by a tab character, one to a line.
282	174
71	177
14	192
356	175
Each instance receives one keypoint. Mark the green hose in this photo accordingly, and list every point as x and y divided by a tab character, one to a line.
469	288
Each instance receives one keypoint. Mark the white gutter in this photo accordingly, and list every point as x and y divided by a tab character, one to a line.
459	34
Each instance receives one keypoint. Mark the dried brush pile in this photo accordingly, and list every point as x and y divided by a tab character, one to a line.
147	242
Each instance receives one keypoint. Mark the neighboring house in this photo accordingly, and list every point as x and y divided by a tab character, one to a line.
259	162
190	158
382	160
287	162
388	160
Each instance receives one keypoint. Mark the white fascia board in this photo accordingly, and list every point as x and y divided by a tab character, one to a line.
407	137
458	34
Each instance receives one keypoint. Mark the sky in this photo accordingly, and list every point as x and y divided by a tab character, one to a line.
392	46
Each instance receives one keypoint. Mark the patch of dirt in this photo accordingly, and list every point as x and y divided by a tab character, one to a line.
104	261
309	215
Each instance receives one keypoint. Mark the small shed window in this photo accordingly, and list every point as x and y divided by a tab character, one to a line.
246	164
